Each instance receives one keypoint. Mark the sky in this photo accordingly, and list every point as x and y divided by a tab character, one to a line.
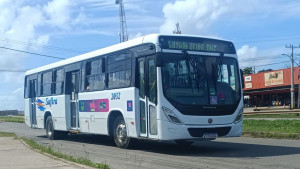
259	29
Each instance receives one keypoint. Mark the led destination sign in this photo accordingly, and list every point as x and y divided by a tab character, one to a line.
196	44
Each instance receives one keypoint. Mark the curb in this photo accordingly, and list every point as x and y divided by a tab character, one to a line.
53	157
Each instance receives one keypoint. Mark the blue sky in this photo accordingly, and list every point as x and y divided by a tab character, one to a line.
260	29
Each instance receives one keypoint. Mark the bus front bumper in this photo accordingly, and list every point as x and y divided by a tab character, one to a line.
171	131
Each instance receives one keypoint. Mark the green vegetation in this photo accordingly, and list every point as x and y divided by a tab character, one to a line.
80	160
5	134
272	116
48	150
16	119
288	129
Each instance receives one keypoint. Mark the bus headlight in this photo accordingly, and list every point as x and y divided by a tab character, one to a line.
239	117
171	116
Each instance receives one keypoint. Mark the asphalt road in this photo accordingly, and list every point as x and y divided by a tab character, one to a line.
231	153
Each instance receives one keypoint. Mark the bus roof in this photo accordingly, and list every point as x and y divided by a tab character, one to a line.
151	38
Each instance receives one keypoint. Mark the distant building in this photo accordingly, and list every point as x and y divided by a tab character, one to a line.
9	112
270	88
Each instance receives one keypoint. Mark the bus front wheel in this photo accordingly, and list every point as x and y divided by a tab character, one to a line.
121	138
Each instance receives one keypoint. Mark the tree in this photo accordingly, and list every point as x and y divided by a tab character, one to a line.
247	71
265	70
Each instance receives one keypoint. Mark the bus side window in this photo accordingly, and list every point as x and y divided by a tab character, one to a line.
46	83
58	82
152	81
119	70
95	75
26	88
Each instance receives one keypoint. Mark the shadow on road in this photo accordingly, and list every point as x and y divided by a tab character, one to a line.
198	149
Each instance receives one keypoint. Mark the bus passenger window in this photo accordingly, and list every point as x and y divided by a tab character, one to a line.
152	81
95	75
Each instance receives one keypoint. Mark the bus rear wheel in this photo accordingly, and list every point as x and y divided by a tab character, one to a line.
51	133
121	137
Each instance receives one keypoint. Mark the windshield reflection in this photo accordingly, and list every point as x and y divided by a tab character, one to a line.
201	80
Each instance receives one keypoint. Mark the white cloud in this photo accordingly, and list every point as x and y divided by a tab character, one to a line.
252	57
58	13
15	101
246	54
192	15
197	16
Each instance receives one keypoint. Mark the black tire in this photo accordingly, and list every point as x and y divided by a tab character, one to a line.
51	133
184	142
121	138
49	128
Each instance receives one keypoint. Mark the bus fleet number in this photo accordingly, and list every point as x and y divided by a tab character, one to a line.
115	96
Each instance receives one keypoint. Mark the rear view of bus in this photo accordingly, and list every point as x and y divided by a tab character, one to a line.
199	89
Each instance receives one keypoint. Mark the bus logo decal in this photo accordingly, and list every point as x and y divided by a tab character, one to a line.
210	120
129	105
51	101
40	105
99	105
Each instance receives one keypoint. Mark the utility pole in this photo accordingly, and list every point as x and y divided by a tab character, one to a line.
292	75
177	30
299	89
123	27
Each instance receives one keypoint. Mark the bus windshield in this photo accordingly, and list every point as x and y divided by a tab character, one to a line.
201	80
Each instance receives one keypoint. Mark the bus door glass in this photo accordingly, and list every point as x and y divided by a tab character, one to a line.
147	97
73	86
33	91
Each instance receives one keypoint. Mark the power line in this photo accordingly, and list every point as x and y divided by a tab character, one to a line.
271	64
32	53
7	70
44	46
264	58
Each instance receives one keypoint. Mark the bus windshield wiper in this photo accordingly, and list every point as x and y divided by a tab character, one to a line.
218	70
192	62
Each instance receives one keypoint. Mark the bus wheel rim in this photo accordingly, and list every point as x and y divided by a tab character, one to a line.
49	129
121	133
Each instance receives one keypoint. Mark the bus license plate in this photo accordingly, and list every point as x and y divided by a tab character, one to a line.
210	135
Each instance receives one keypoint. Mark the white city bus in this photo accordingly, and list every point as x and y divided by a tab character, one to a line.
159	87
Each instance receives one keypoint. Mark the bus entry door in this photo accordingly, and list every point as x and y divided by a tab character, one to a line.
73	88
33	90
147	97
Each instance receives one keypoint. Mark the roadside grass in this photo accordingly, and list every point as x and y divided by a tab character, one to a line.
6	134
50	151
15	119
272	116
79	160
281	129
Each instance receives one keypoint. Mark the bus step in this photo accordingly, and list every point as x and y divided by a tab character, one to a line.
74	131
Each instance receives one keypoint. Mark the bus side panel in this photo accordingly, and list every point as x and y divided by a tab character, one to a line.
26	112
56	106
93	112
67	113
94	109
126	103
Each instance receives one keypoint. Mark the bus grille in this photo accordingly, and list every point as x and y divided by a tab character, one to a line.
198	132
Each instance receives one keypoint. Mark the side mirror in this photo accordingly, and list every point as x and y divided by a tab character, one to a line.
242	78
